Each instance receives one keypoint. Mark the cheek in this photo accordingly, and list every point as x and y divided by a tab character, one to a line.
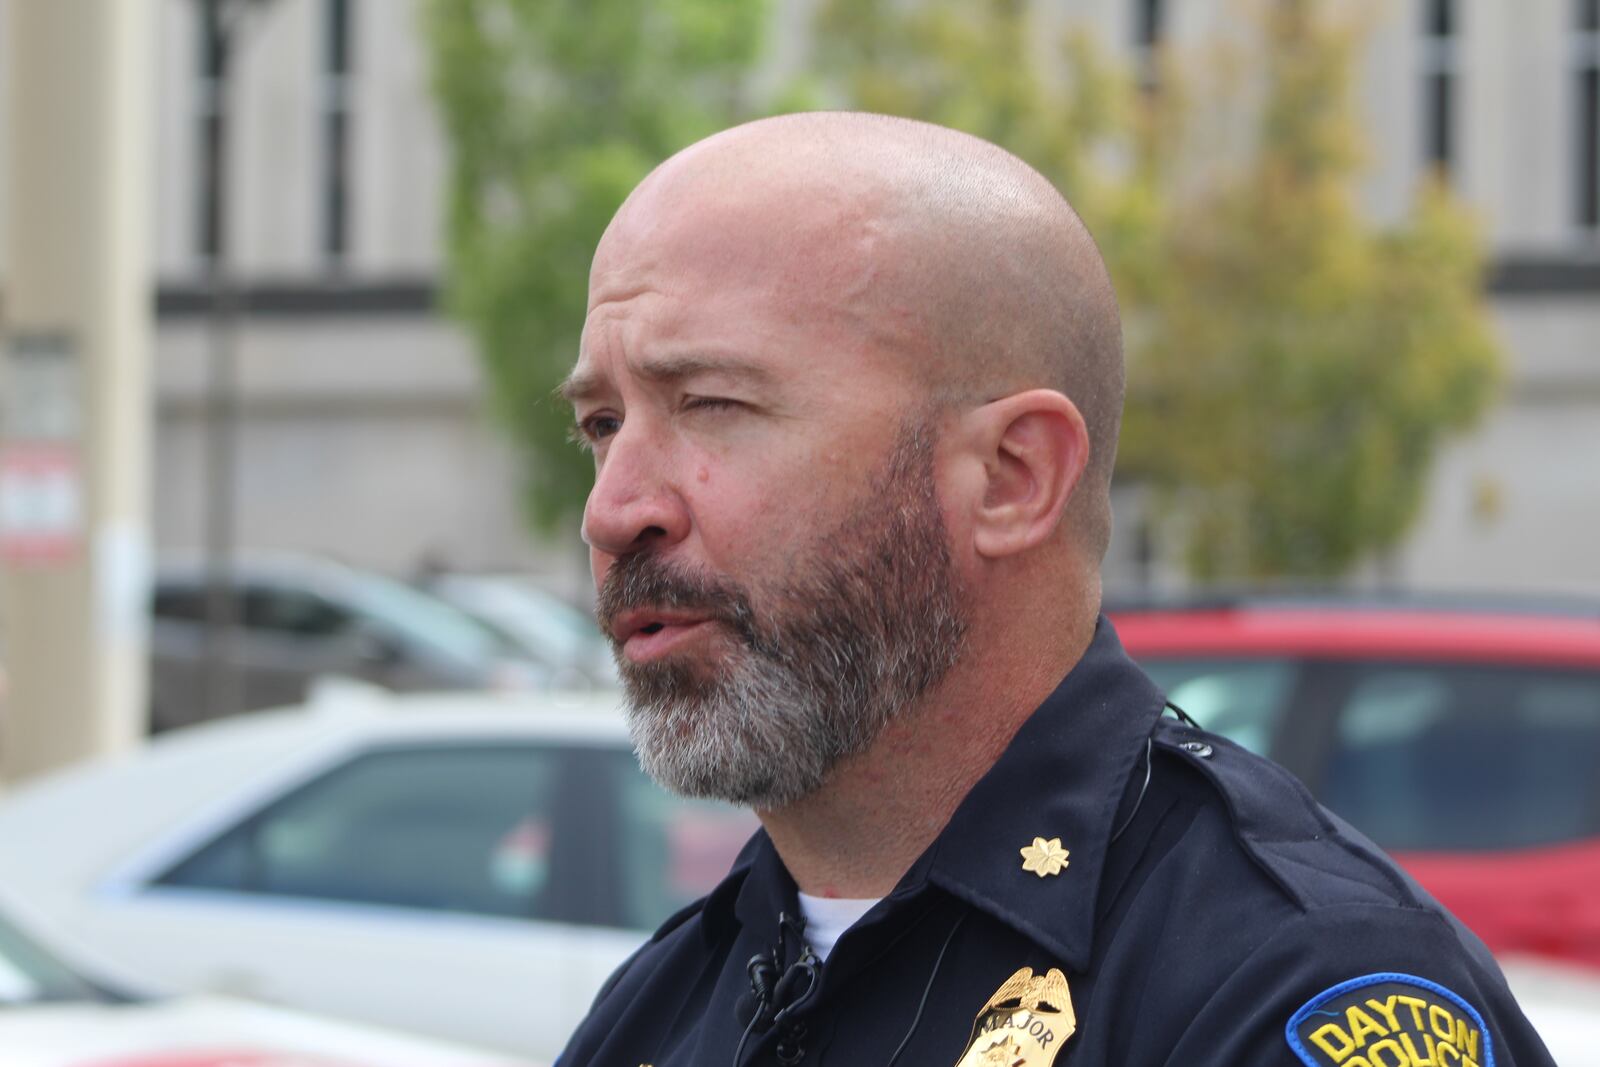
599	564
755	507
764	525
747	515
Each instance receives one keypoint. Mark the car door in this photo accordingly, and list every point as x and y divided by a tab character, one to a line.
439	887
669	851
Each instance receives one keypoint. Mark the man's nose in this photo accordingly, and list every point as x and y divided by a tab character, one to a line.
634	503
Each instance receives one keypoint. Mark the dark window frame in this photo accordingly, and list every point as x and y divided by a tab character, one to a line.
1585	81
1149	31
1588	149
1149	22
1439	110
210	70
338	55
1439	18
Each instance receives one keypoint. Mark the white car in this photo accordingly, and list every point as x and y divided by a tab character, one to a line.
1562	1002
465	866
53	1016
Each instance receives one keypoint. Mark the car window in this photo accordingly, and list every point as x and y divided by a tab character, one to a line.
1241	699
674	850
183	603
1464	758
534	619
290	612
417	618
465	829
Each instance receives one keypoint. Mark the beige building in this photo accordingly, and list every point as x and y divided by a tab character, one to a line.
362	429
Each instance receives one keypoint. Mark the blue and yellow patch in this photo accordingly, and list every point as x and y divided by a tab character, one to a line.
1389	1020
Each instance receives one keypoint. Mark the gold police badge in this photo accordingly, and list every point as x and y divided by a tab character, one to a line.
1024	1024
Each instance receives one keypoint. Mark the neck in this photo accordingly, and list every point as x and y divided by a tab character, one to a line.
879	811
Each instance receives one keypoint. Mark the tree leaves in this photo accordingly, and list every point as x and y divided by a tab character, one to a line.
554	110
1292	367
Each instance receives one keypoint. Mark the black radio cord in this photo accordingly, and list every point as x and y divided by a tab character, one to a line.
769	986
738	1053
923	1005
1138	800
1183	716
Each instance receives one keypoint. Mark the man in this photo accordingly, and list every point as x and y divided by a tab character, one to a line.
852	385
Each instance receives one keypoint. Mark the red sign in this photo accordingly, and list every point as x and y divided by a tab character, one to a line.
224	1059
41	503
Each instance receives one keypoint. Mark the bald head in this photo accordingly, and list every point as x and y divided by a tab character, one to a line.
935	248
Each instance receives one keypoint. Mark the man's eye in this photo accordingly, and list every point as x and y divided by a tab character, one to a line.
702	403
593	429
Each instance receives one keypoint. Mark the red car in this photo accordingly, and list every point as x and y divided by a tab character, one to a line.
1464	740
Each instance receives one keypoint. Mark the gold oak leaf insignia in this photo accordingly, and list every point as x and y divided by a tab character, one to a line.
1044	857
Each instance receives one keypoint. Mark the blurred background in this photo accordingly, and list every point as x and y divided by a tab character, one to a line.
285	286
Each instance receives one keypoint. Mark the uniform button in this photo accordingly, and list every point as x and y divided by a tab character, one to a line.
1197	748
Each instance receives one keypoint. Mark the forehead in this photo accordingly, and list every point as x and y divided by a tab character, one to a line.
806	233
758	270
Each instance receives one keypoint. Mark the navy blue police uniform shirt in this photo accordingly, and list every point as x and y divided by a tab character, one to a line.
1120	889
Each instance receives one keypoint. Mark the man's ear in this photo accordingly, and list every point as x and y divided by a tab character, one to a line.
1034	448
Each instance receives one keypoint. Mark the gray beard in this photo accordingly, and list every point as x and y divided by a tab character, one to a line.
869	619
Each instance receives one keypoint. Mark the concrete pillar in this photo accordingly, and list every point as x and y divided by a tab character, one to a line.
74	378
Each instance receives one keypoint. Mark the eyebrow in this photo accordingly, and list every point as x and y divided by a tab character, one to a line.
579	386
585	385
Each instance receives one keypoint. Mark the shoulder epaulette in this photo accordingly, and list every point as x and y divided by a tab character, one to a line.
1316	858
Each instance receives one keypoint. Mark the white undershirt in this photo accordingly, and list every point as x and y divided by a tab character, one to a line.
828	917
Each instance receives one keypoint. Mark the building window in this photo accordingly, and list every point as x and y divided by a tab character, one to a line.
210	71
1148	25
1586	113
335	183
1440	44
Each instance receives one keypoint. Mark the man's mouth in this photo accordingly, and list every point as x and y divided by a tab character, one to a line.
645	635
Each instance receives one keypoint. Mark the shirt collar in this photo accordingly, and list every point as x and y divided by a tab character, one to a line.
1063	776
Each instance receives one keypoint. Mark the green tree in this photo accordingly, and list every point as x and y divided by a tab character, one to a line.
973	65
553	111
1292	368
1296	367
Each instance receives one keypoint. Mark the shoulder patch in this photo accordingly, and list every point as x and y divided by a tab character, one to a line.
1389	1020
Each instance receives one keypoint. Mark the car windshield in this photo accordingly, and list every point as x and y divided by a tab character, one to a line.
1465	757
1241	699
428	621
1420	756
543	622
30	975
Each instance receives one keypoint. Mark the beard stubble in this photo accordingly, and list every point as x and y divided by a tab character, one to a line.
868	618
